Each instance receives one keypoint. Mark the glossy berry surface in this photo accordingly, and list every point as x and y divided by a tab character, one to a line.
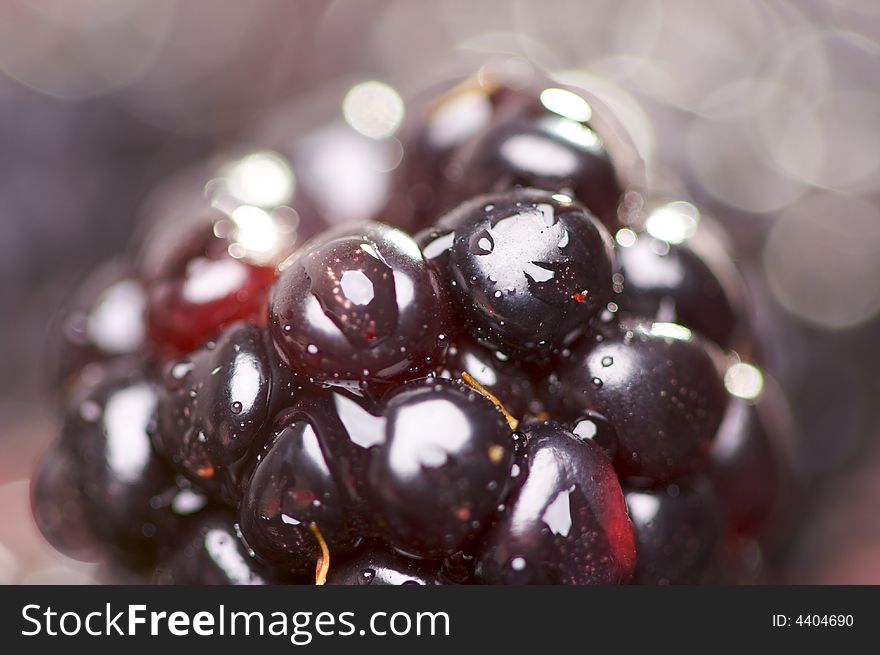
211	553
526	270
442	468
592	426
501	394
377	566
673	283
494	132
543	150
678	530
566	521
351	431
444	120
291	494
127	490
105	320
359	306
660	387
214	404
198	287
493	371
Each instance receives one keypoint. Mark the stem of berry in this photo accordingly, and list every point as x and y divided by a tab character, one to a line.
479	388
323	565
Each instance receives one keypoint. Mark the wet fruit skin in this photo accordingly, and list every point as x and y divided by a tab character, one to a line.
442	469
490	133
525	270
211	553
126	488
360	305
351	429
660	387
198	288
343	399
678	531
673	283
214	405
290	492
376	566
439	128
511	385
565	522
594	427
545	151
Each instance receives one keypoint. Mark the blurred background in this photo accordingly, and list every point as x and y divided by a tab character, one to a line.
765	114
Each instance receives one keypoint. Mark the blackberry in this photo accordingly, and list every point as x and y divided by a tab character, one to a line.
526	270
359	306
510	396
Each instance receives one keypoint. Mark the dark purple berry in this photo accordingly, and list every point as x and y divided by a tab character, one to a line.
444	119
359	305
592	426
350	429
748	465
211	553
292	501
493	371
678	531
459	568
526	270
105	320
128	492
545	151
214	406
566	521
377	566
442	469
659	386
674	284
491	134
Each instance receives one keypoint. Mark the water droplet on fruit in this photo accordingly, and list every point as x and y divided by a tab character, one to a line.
607	361
236	407
596	382
367	576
